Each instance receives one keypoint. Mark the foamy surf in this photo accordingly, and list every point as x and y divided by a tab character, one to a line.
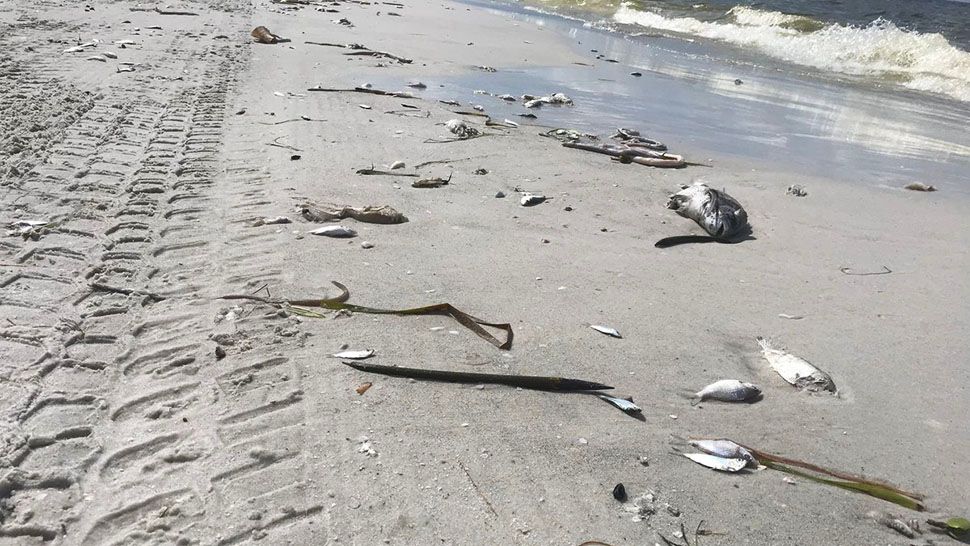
919	61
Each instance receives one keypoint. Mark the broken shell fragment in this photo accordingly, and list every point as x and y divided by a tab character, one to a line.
721	464
334	231
531	200
363	388
606	330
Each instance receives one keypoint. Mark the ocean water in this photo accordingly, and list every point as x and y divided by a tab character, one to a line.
708	99
922	46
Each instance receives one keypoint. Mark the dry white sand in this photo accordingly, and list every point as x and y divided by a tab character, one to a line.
121	426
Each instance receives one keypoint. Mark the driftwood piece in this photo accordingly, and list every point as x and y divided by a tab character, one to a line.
381	54
170	12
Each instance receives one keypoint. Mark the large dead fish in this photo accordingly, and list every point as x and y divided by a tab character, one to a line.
721	216
724	448
795	370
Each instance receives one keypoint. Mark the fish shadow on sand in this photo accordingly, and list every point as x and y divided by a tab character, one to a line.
676	240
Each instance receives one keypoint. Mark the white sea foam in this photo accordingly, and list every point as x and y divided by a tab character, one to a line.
924	62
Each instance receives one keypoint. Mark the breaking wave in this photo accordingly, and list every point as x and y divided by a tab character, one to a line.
923	62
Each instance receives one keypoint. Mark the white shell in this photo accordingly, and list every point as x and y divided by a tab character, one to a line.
606	330
529	200
717	463
334	231
354	355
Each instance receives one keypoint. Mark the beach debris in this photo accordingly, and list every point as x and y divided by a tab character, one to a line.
382	214
619	492
339	232
531	199
506	97
373	171
738	81
122	67
432	182
364	106
295	157
557	384
790	317
908	529
500	194
796	370
366	244
266	221
81	47
304	307
450	102
397	165
789	481
612	332
528	116
819	474
110	54
173	12
99	58
398	94
848	271
533	101
461	129
364	446
354	355
262	35
363	388
124	43
25	228
417	85
636	74
919	186
719	214
728	390
632	137
955	527
796	190
484	68
724	448
623	404
343	21
722	464
220	352
480	171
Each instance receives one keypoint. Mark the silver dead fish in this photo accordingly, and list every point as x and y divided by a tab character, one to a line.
723	448
723	464
606	330
622	403
796	370
721	216
335	231
354	355
728	390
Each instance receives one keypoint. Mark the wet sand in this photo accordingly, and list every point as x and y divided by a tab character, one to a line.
122	426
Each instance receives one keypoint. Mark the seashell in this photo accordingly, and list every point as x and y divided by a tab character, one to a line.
722	464
334	231
264	36
606	330
354	355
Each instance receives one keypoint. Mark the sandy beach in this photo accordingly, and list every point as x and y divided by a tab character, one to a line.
136	407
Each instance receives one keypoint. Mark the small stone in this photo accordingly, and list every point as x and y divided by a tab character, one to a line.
366	244
603	229
295	157
643	460
499	195
635	74
545	241
568	209
619	492
220	352
738	81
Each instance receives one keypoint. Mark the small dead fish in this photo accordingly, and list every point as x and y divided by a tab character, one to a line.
450	102
354	355
722	464
124	43
364	106
795	370
508	98
606	330
334	231
623	404
417	85
723	448
397	165
97	58
110	54
728	390
270	221
919	186
531	200
528	116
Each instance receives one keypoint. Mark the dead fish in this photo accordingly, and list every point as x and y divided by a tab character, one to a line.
606	330
723	448
435	182
721	216
722	464
335	231
531	200
506	97
417	85
354	355
123	43
270	221
97	58
450	102
728	390
397	165
110	54
264	36
627	406
461	129
795	370
919	186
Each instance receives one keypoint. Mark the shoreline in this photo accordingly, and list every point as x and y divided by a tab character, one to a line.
166	413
